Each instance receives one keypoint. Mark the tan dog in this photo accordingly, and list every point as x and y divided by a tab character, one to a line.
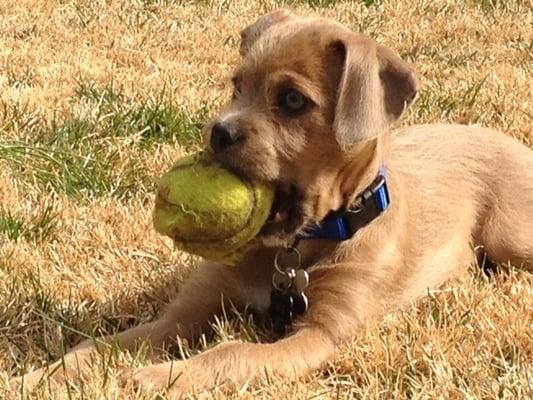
311	112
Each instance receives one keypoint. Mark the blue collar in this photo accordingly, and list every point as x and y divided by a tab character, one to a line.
343	224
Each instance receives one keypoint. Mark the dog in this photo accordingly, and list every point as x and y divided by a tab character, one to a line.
312	112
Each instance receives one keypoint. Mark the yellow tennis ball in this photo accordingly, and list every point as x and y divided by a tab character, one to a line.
209	211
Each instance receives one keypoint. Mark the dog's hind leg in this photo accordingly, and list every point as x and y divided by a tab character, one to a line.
507	228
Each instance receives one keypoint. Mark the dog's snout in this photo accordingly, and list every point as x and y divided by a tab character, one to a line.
224	135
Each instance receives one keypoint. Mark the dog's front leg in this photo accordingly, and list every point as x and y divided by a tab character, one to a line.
341	299
239	362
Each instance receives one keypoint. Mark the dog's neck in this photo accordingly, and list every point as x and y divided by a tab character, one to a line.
362	165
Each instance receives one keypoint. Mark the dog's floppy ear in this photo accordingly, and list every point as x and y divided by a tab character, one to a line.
251	33
375	87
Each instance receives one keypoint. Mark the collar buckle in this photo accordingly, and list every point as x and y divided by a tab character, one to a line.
342	224
369	205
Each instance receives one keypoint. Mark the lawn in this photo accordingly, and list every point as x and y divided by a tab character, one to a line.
98	98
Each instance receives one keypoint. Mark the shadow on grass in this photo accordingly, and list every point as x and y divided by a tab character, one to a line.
40	328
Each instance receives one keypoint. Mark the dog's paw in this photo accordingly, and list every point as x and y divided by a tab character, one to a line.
28	382
167	377
72	366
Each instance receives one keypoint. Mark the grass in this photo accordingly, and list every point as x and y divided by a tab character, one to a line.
38	228
148	121
98	98
94	152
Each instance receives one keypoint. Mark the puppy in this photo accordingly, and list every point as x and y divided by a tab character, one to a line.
311	112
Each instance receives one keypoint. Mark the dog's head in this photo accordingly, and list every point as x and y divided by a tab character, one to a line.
311	104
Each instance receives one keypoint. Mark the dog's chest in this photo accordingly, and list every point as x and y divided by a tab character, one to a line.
259	299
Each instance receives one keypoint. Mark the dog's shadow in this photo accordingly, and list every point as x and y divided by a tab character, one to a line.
40	328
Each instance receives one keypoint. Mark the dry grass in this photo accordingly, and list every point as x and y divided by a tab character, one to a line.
98	97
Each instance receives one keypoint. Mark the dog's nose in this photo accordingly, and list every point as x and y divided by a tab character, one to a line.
223	135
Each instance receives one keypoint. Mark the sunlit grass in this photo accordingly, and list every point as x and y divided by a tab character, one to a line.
98	98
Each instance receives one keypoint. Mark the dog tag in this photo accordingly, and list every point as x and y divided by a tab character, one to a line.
281	310
300	280
300	303
281	281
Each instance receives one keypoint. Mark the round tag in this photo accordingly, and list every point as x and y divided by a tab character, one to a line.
300	281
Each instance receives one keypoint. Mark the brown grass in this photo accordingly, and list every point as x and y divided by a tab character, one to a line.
77	262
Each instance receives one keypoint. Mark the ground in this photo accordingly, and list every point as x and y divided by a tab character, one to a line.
98	98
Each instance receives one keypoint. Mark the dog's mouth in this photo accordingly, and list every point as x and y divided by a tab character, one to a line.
286	213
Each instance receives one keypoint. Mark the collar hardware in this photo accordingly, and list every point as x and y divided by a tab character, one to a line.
287	299
289	280
343	224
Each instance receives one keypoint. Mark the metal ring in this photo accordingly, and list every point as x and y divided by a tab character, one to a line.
274	284
279	286
290	249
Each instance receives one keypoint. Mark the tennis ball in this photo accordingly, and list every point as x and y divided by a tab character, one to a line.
209	211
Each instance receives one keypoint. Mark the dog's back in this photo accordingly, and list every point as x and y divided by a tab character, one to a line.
468	183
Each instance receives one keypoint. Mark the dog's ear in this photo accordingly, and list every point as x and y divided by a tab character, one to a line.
251	33
375	87
399	82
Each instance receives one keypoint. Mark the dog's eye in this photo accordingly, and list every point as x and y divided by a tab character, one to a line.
236	88
292	102
236	92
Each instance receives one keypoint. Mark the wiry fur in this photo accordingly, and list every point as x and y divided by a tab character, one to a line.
452	188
